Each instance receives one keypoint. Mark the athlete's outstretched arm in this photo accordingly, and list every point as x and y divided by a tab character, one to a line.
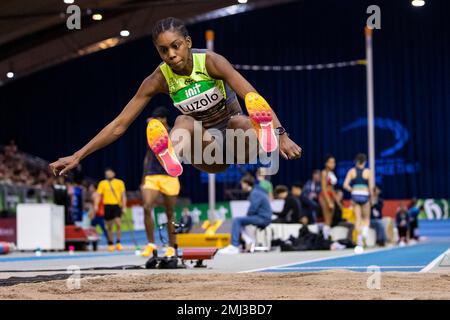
218	67
152	85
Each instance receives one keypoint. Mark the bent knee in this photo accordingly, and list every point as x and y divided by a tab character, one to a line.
184	120
239	121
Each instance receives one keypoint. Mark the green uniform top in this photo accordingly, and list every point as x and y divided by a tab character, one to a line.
199	95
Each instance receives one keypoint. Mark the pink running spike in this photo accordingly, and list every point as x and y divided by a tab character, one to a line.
172	166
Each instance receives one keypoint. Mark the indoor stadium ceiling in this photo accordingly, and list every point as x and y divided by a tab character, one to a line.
34	35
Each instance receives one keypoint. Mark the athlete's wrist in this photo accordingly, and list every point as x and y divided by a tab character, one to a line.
284	136
280	131
78	156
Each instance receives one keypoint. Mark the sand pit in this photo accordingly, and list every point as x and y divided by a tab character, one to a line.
337	284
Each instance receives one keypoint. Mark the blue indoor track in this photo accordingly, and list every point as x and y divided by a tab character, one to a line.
412	258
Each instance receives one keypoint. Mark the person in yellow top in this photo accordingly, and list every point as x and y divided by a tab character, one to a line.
114	197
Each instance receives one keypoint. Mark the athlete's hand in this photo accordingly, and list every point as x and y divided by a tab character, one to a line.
331	205
289	149
63	165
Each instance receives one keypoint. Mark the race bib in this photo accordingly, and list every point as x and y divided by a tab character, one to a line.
197	97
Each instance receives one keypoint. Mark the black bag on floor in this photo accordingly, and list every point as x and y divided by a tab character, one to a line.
168	263
306	241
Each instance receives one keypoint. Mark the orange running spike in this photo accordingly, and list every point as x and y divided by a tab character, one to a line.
159	142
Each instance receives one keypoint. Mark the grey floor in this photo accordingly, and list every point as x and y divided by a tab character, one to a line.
28	265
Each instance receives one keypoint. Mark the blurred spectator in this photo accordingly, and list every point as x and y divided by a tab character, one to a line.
76	202
310	197
185	221
114	199
376	217
97	216
305	215
61	197
312	187
264	183
402	222
338	220
11	148
327	195
259	213
17	169
78	174
292	207
414	211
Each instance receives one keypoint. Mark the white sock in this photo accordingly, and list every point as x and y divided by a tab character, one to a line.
359	240
365	232
326	231
247	238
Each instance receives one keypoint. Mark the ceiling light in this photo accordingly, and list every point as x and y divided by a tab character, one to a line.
418	3
97	17
124	33
10	75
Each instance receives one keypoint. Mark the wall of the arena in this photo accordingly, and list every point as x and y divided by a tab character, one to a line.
54	112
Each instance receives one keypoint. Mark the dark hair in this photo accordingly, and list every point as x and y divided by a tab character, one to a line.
109	169
160	112
361	158
248	179
298	184
328	157
280	189
169	24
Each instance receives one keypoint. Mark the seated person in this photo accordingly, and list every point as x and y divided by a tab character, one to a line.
259	213
307	215
310	197
337	216
376	217
291	212
185	221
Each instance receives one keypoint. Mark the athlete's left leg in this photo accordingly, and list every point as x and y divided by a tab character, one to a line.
169	203
365	219
242	128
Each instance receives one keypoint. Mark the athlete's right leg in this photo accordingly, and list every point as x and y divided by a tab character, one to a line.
327	217
149	198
